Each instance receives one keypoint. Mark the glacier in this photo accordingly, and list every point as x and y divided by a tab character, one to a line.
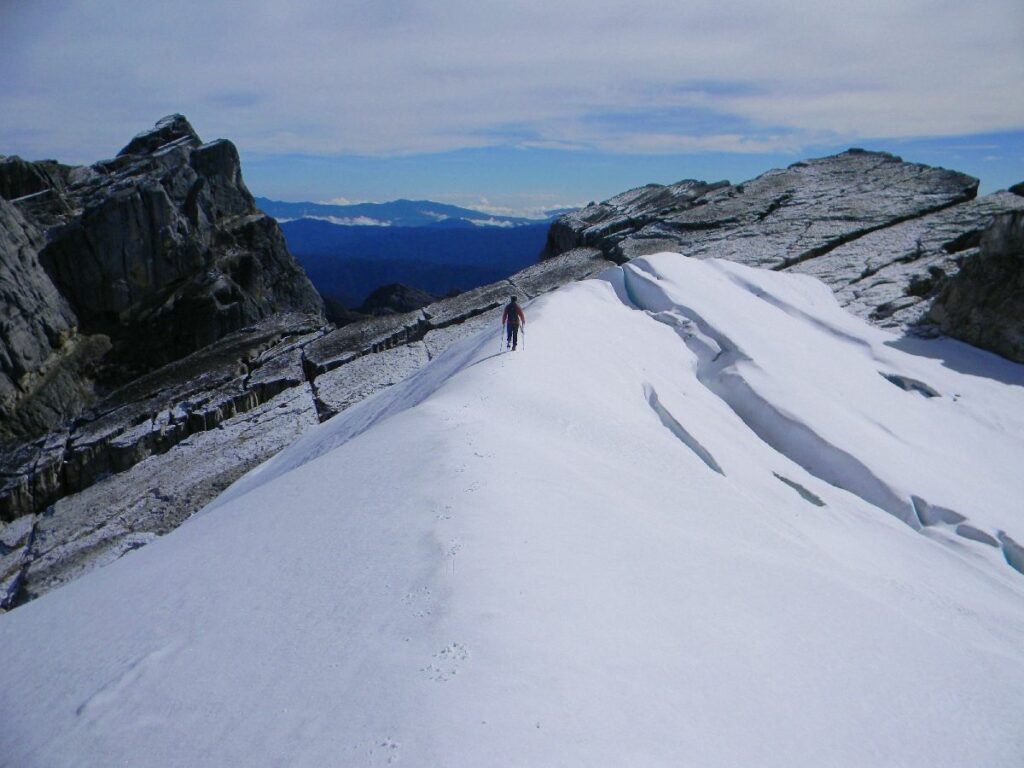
705	517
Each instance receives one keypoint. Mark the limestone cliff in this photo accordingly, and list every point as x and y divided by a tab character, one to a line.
113	270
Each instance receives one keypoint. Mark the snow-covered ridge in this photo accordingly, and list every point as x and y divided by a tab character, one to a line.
704	517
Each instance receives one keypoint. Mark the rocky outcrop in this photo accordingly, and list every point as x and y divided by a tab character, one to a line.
119	268
984	303
395	298
883	233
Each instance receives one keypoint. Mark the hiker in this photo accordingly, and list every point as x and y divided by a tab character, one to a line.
511	319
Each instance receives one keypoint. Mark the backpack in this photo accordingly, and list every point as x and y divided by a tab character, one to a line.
513	314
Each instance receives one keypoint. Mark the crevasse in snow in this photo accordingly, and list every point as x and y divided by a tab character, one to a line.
705	517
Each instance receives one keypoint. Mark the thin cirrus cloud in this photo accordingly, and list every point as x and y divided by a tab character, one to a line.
365	77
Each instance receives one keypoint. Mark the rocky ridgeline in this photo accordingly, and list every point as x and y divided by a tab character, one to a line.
885	235
164	342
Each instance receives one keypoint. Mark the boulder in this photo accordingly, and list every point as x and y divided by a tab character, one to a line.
983	304
395	299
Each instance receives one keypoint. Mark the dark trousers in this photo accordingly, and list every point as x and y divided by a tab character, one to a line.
513	335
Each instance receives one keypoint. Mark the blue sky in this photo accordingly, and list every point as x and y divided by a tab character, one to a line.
518	107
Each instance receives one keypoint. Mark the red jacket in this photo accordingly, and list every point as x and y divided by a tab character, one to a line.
516	318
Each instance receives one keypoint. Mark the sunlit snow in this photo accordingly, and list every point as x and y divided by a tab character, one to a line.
703	517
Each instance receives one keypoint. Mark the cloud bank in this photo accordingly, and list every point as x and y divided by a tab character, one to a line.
405	76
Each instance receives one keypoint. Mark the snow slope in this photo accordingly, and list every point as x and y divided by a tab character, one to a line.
705	518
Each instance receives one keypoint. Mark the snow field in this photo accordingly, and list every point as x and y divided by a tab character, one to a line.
530	559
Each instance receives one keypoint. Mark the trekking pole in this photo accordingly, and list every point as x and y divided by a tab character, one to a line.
523	329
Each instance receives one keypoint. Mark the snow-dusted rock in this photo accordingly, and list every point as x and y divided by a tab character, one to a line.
125	510
343	387
349	342
155	412
883	233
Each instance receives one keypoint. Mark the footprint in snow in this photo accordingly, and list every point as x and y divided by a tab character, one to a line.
447	663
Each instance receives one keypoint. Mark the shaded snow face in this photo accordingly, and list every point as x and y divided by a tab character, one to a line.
703	517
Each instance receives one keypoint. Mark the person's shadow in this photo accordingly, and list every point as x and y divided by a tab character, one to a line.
483	359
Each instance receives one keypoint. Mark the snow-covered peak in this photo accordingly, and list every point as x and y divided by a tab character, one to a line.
702	516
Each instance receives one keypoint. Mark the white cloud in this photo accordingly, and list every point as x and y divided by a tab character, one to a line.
350	221
409	76
341	201
492	223
532	205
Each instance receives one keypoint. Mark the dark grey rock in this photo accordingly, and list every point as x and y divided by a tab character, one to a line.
157	411
396	299
16	541
173	128
20	179
126	510
117	269
460	308
345	386
44	360
984	303
374	335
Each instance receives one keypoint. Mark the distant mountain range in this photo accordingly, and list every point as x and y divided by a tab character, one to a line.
397	213
349	251
347	263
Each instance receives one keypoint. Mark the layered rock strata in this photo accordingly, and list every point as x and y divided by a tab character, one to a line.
113	270
883	233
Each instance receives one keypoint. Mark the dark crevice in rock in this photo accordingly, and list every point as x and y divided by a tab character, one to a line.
323	411
850	237
17	593
970	239
775	204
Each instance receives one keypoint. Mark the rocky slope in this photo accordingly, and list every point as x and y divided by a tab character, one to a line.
882	233
116	269
138	460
